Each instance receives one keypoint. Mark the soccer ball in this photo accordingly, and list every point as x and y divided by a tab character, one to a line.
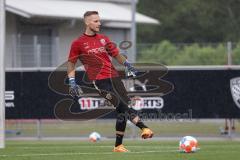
94	137
188	144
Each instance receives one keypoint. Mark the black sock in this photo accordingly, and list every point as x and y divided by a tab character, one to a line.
119	139
141	125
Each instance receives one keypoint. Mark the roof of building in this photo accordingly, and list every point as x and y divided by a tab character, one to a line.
109	12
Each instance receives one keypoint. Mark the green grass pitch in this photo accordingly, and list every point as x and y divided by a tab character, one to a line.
140	150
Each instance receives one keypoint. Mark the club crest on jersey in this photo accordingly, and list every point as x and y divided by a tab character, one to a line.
103	41
235	90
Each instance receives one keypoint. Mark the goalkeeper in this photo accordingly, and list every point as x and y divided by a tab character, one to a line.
93	50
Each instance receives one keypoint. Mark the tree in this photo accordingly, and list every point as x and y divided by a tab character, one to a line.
190	20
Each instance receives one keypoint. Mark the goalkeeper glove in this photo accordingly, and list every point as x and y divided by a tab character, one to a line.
130	70
74	89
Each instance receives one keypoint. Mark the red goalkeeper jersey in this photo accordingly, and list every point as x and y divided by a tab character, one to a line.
93	52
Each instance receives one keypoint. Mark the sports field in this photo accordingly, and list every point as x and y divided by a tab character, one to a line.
140	150
164	128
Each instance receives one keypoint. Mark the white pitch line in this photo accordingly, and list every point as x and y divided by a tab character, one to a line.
36	147
165	151
82	153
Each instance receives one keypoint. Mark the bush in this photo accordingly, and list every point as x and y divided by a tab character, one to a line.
187	54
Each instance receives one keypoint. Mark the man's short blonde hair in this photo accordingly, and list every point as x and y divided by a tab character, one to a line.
89	13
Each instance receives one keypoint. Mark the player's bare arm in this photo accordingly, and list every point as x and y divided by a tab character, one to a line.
71	69
120	58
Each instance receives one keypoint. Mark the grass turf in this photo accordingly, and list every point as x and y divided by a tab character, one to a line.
140	150
57	128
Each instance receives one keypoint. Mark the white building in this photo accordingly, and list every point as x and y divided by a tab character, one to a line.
39	32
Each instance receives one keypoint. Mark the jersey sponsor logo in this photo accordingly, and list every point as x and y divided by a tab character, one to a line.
235	90
97	50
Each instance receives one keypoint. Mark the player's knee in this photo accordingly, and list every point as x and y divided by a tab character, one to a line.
132	114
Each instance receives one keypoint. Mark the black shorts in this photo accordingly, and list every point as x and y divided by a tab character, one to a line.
113	90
